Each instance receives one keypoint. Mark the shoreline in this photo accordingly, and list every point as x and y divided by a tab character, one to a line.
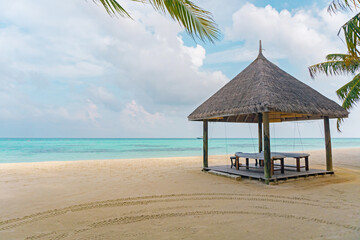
4	138
152	158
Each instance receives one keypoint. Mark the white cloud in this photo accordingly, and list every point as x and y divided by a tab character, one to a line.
72	61
197	55
91	111
102	96
240	54
138	121
300	35
133	114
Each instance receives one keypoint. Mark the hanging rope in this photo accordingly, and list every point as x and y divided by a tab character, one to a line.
274	136
226	144
321	130
294	137
300	138
252	140
211	130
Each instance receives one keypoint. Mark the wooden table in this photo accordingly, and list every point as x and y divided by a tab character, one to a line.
297	156
260	156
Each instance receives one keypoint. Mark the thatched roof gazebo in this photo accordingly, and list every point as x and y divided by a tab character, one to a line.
263	93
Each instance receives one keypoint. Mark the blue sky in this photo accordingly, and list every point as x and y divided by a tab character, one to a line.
67	69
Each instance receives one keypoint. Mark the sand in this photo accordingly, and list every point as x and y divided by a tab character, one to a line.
170	198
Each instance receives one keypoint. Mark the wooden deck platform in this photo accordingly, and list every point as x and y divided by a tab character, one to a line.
258	174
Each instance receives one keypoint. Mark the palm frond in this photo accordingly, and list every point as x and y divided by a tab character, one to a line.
337	57
338	123
196	21
352	62
113	8
337	5
351	31
350	93
337	63
329	68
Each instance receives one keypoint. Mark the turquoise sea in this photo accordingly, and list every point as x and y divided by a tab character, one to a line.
60	149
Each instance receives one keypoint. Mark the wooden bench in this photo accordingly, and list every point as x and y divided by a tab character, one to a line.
232	161
274	156
297	156
260	157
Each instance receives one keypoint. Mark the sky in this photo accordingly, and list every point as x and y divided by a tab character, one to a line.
68	69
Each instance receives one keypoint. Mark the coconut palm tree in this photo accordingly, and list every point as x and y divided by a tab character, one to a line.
196	21
337	64
351	28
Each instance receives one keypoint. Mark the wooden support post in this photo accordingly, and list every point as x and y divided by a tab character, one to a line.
205	144
267	153
307	163
298	164
329	166
237	164
260	120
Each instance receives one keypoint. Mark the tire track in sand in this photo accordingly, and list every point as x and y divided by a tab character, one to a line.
140	218
144	200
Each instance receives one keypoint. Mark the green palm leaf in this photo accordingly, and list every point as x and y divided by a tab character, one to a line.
337	5
329	68
336	64
196	21
337	57
351	28
341	64
352	34
113	8
350	94
344	63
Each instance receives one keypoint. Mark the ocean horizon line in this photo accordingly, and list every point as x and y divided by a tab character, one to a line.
5	138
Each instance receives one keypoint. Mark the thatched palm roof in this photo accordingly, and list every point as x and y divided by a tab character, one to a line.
264	87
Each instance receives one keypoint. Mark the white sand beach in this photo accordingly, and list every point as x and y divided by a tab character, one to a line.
171	198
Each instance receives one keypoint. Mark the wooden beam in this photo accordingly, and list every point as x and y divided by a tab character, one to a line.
205	144
267	160
292	115
246	117
275	120
242	118
329	165
260	132
253	117
277	115
216	118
